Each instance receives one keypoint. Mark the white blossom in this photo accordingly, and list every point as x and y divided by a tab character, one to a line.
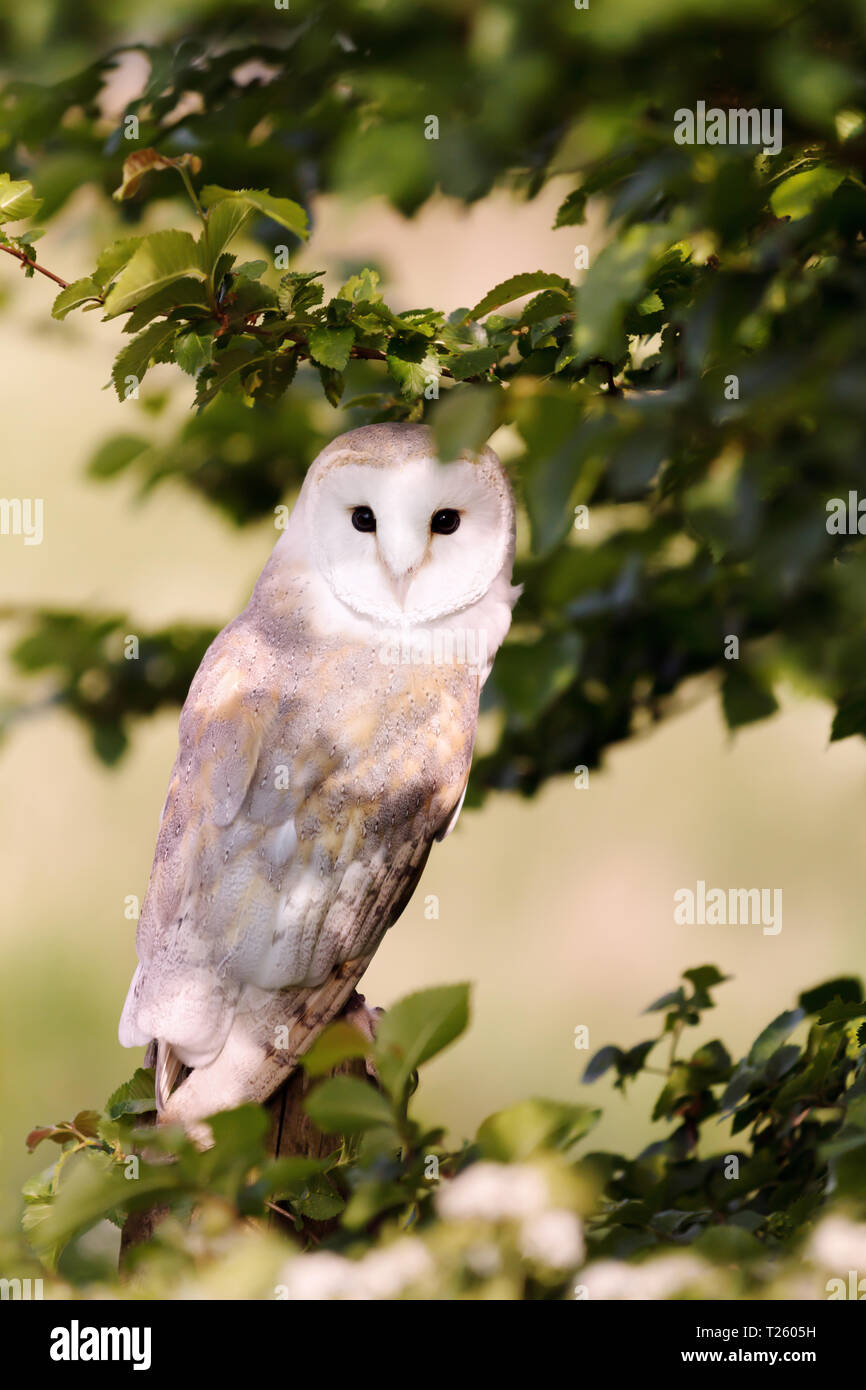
839	1244
384	1273
654	1281
317	1276
483	1259
553	1238
494	1192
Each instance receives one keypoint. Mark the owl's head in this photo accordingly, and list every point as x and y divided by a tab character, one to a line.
400	536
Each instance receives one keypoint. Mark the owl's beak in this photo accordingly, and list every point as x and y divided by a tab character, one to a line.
400	585
399	555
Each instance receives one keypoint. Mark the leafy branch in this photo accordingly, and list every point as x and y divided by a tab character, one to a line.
189	301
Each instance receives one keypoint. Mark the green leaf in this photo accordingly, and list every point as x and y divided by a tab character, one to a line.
363	287
271	376
346	1105
252	270
114	257
848	988
744	699
712	1062
135	1097
153	345
338	1043
297	292
773	1036
572	212
675	1088
231	366
224	222
315	1198
115	454
283	210
561	465
331	347
109	742
604	1059
239	1135
529	676
631	1063
515	287
333	384
75	294
413	374
650	304
92	1190
615	280
550	304
186	296
415	1029
464	419
388	318
17	199
467	364
796	196
35	1221
194	348
515	1134
703	977
850	718
158	261
672	999
247	299
840	1011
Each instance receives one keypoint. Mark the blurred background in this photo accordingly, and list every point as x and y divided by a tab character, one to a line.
559	909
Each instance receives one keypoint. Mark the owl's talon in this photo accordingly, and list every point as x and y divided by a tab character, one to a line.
358	1013
361	1016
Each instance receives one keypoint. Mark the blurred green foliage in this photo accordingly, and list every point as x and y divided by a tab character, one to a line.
699	388
800	1104
743	1200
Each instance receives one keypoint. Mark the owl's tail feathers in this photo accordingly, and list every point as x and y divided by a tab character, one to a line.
270	1032
168	1068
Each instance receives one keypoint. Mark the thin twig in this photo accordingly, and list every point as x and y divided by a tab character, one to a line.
43	270
27	260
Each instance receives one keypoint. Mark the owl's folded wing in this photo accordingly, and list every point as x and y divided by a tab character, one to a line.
176	990
281	856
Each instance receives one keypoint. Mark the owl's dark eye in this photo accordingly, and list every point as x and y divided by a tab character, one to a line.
364	519
445	523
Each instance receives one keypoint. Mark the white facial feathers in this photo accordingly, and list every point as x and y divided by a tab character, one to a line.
397	568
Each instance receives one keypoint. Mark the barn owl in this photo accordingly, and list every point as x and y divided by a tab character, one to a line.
324	745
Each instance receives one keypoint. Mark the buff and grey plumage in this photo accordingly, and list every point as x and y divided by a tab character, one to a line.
321	753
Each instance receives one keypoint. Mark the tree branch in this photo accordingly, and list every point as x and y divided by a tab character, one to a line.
26	260
49	274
